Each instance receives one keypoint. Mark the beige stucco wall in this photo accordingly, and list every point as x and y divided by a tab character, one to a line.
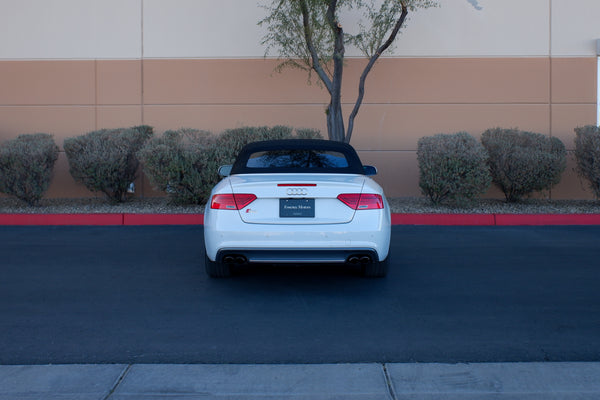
71	66
406	98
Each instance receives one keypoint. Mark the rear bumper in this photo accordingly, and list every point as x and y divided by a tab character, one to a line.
368	233
312	256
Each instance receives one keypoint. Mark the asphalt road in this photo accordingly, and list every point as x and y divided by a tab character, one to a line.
453	294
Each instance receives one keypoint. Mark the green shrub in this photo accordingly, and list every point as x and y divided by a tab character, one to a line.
230	142
307	133
452	168
523	162
26	165
587	154
184	163
105	160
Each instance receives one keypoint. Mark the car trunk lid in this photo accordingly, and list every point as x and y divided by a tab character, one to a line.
297	198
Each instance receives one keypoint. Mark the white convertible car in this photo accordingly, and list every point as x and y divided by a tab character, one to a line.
297	201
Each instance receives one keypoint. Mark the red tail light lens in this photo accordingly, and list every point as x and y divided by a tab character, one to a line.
296	184
231	201
365	201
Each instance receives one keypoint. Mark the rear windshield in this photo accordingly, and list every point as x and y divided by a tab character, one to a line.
297	159
297	156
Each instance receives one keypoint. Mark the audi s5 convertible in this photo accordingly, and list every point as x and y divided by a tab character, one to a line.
297	201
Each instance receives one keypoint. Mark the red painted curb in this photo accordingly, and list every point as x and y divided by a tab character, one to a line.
163	219
547	219
61	219
397	219
443	219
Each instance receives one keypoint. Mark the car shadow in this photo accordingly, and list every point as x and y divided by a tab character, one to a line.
321	280
298	270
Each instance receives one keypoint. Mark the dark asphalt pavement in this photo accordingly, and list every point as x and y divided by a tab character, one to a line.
454	294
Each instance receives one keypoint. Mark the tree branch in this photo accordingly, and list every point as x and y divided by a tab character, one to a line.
338	34
372	60
316	64
338	71
331	14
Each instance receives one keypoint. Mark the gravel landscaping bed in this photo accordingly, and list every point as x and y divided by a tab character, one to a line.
495	206
97	205
397	205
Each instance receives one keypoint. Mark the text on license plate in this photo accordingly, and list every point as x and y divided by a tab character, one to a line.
296	208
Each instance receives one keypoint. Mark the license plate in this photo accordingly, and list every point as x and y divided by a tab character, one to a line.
297	208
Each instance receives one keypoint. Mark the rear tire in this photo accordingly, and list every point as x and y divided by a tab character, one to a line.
216	269
376	269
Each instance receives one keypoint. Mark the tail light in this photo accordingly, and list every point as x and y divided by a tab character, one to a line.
365	201
296	184
231	201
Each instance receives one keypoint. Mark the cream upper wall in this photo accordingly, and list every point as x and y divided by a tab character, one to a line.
575	27
70	29
454	29
114	29
202	28
500	28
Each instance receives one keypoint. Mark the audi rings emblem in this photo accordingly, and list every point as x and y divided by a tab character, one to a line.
296	192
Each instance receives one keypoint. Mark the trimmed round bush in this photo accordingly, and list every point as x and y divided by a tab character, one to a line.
307	133
26	166
452	168
105	160
587	155
231	141
182	163
523	162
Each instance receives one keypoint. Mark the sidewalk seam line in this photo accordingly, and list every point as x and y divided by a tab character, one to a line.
388	381
118	382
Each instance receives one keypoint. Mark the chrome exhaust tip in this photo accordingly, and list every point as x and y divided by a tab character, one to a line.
235	259
365	260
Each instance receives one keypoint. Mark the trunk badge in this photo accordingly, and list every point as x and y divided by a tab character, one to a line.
296	192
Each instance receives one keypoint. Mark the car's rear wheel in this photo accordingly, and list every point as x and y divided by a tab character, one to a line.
216	269
376	269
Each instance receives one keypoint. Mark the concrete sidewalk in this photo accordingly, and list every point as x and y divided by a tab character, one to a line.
547	381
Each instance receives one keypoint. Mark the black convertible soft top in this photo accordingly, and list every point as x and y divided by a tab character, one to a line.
297	156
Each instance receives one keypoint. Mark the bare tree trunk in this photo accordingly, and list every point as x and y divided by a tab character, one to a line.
372	60
335	118
335	122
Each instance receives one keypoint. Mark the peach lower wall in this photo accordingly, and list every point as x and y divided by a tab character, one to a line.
406	98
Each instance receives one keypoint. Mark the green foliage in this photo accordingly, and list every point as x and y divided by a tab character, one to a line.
26	165
185	163
310	35
378	20
182	163
452	168
105	160
523	162
286	34
306	133
587	154
230	142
